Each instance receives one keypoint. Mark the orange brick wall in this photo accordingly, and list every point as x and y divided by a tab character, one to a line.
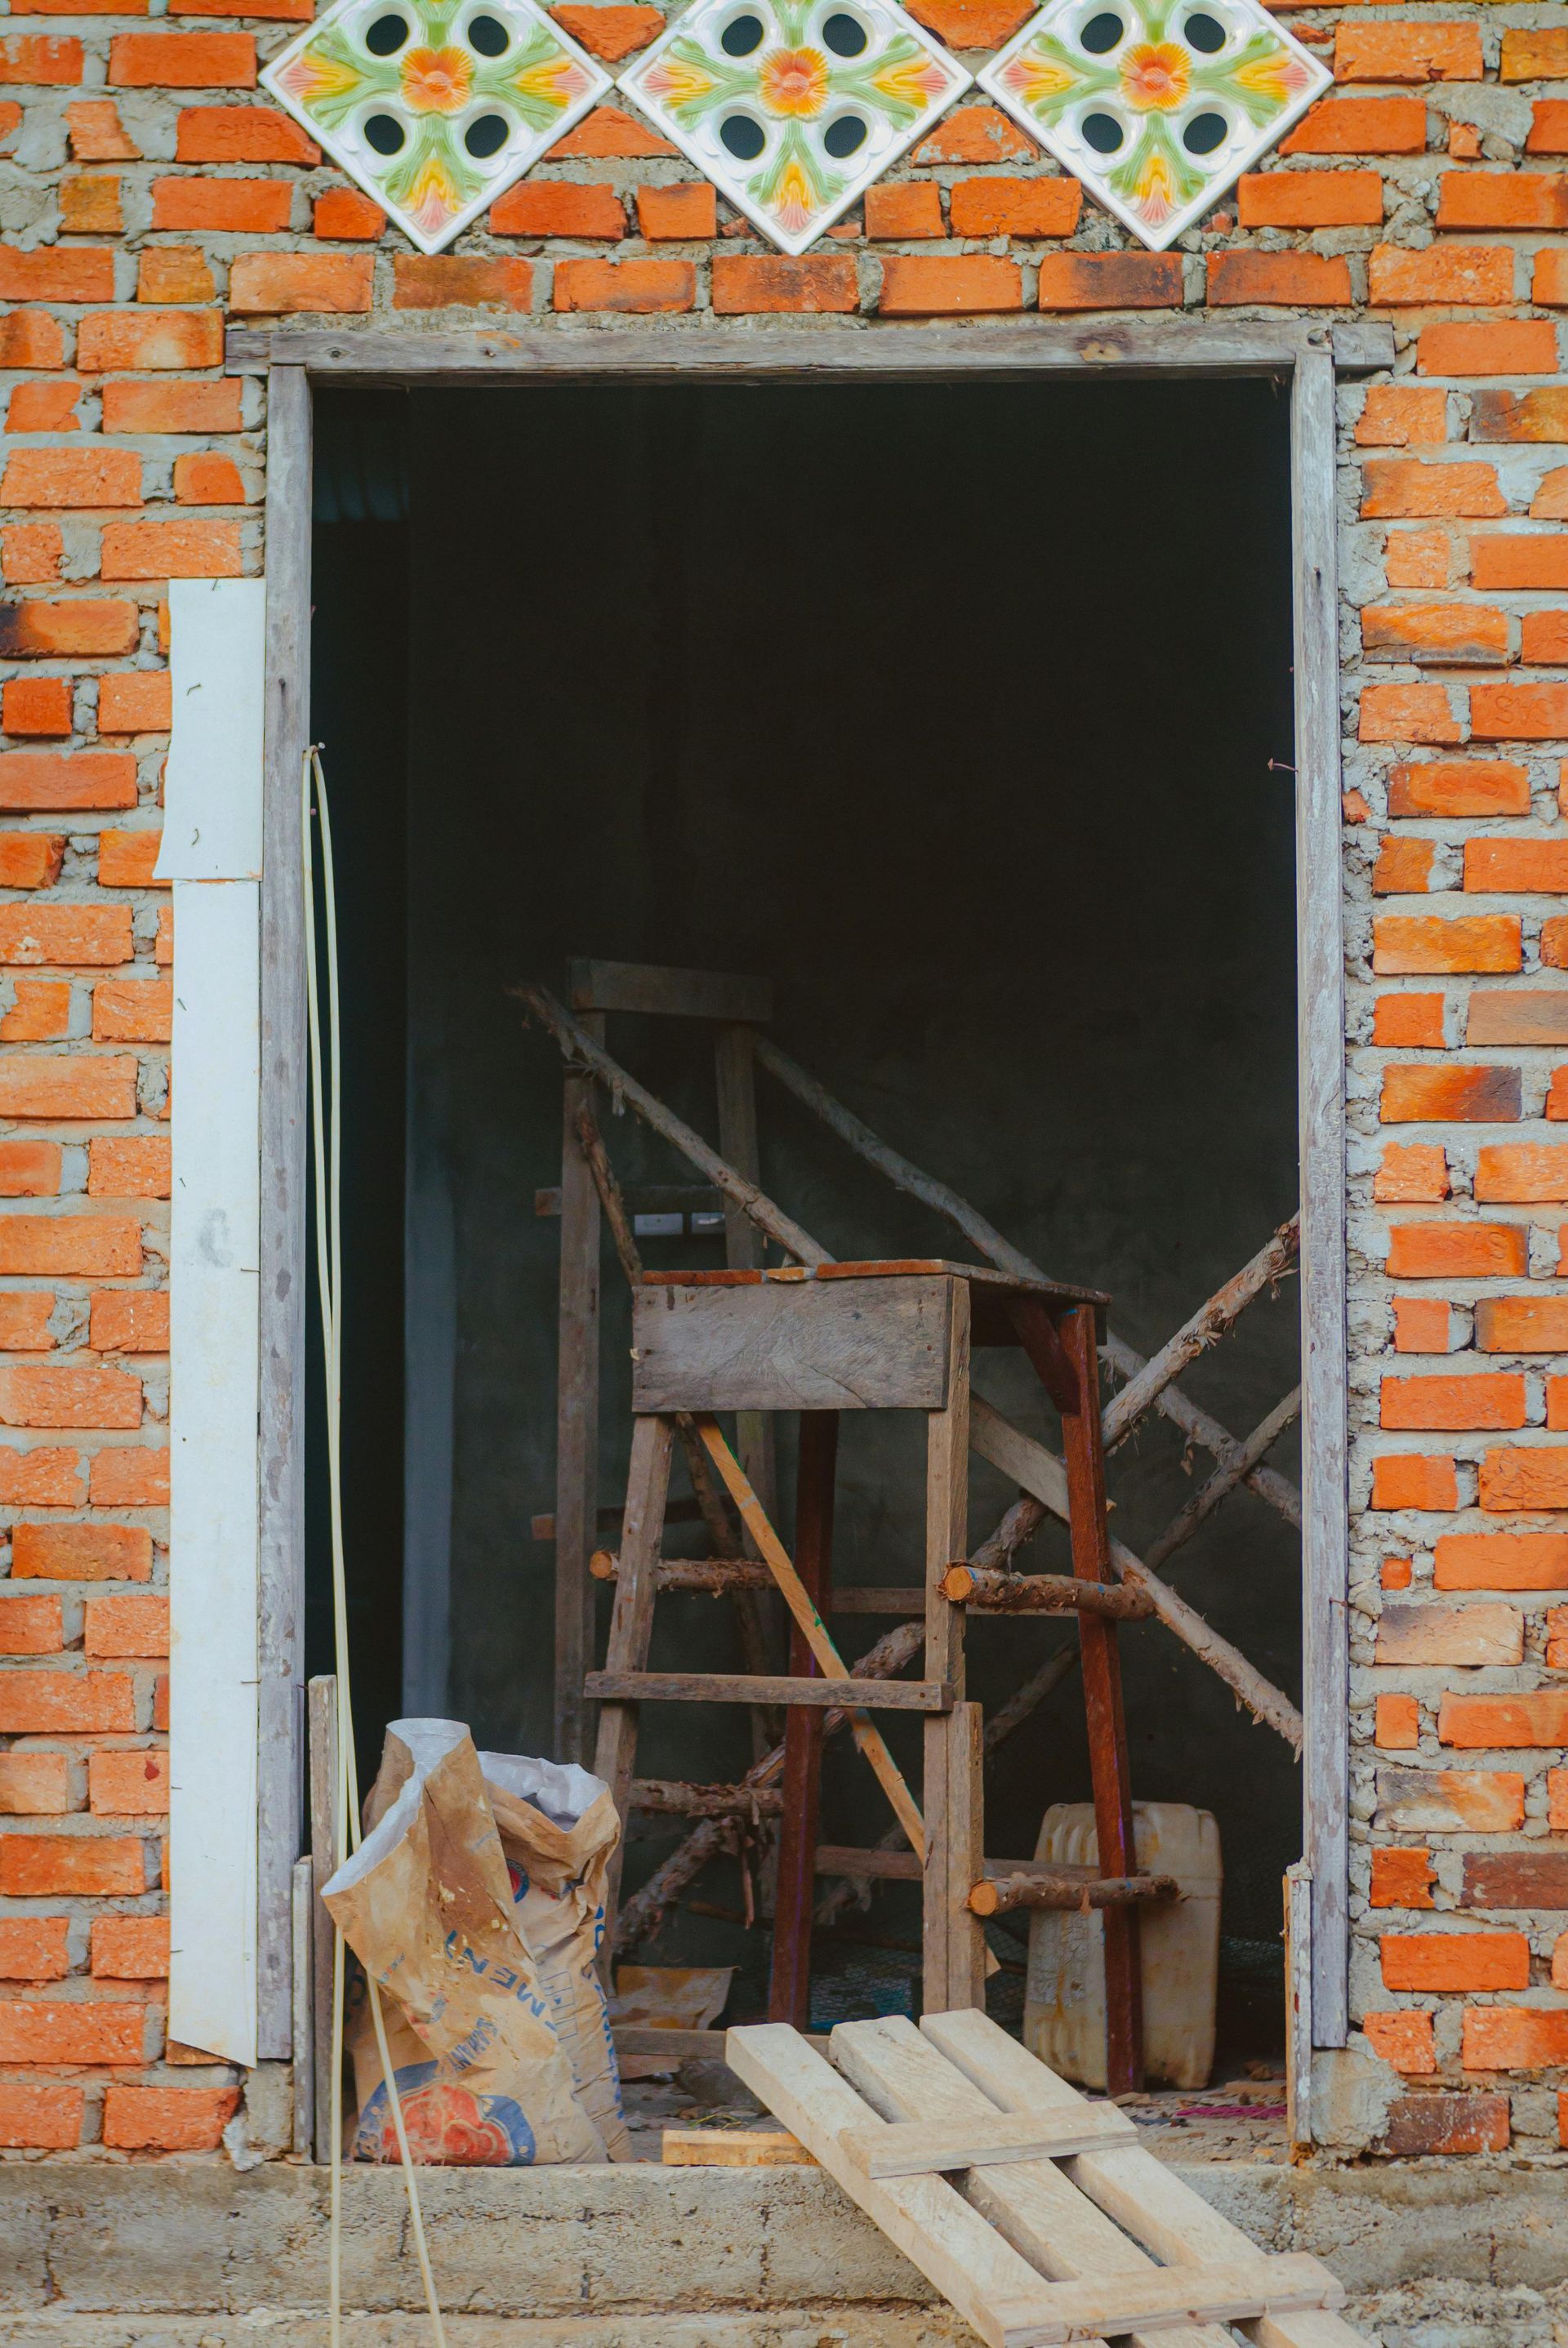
154	193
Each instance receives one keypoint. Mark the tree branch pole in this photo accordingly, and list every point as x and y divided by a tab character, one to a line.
1205	1328
1208	1497
1194	1422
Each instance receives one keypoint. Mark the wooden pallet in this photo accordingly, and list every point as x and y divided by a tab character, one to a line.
1032	2209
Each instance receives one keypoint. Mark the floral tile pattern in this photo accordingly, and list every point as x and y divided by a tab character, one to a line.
435	108
792	108
1157	106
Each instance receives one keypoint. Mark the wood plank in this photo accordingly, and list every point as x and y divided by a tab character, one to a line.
772	1687
280	1281
1031	2203
790	1982
954	1938
649	987
1320	997
682	2045
304	2032
919	2147
1109	1773
1212	1320
674	1797
671	349
1298	2000
923	2217
734	2148
735	1074
576	1419
1138	2191
626	1650
792	1345
1147	2303
326	1854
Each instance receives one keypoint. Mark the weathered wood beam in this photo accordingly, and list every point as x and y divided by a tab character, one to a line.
998	1895
1042	1593
673	1798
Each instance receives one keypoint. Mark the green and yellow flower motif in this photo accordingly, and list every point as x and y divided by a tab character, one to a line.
1157	106
816	96
435	106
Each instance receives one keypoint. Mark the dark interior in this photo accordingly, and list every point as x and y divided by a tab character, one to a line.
949	709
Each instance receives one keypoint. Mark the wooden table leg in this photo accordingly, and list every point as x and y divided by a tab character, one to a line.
789	1990
952	1939
1102	1706
631	1628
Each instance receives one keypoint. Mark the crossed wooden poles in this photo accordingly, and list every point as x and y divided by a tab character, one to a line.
988	1580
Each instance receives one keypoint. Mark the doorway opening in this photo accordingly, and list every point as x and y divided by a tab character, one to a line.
949	709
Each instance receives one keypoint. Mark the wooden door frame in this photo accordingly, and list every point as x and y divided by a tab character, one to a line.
1306	355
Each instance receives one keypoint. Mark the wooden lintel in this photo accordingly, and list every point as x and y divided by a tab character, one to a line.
667	993
755	1687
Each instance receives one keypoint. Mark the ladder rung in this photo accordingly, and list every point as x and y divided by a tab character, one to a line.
752	1688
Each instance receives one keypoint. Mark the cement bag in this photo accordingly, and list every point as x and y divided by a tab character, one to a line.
558	1827
425	1905
667	1997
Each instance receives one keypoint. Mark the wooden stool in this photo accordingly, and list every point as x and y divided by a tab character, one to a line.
869	1337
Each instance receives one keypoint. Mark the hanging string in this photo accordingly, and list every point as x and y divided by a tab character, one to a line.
325	1107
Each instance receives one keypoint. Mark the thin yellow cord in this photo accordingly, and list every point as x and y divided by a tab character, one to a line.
325	1132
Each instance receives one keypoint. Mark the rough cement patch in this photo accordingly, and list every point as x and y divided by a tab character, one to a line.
896	2326
1353	2092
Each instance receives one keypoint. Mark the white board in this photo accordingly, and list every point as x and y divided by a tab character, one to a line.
212	785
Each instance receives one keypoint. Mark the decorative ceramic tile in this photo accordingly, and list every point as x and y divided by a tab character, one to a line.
435	108
1157	106
793	107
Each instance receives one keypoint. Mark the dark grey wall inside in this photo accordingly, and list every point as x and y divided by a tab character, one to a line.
949	709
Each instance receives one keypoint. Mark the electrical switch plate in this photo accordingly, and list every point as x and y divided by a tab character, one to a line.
1157	106
792	108
434	110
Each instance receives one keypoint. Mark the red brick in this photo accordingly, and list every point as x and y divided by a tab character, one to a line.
558	208
1549	128
1110	280
128	1165
29	860
1509	560
47	405
130	1321
129	1948
1466	635
66	779
1398	415
1401	486
112	342
747	284
78	1086
31	552
1524	1478
129	1785
1543	639
55	272
31	1626
224	207
41	60
1515	2037
344	213
1538	414
1518	1879
609	130
688	210
138	701
96	1246
1456	1252
33	2032
31	338
135	1625
1503	200
976	134
171	549
45	934
1519	713
40	1394
1409	1022
168	2120
1465	346
1451	1801
126	858
1416	557
637	287
1015	207
1550	502
1493	1399
1441	2124
1419	1095
276	284
36	705
81	1552
1403	2039
92	626
1421	1326
1442	274
1422	944
1408	713
1310	199
949	285
1523	1325
1406	1479
610	32
1455	1961
130	1477
973	24
1360	126
1398	1724
1402	1879
164	60
450	282
241	134
97	134
1501	1561
1459	788
900	210
1538	54
1408	52
1288	279
1398	1573
25	1321
40	1478
40	1012
90	204
60	1704
52	1866
1517	1015
1411	1170
133	1010
38	2118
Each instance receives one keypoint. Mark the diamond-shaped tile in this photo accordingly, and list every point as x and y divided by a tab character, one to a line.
794	107
1157	106
435	110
